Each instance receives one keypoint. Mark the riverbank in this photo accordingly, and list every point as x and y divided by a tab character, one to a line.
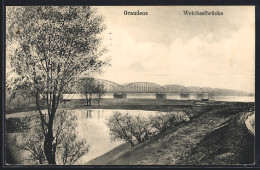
176	144
126	104
214	138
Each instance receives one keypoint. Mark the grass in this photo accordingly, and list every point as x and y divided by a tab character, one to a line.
229	144
214	137
128	104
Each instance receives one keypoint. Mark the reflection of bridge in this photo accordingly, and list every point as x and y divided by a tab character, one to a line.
143	88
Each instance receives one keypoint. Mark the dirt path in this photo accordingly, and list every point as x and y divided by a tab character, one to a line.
169	147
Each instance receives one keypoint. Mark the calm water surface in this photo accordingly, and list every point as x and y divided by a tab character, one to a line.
92	126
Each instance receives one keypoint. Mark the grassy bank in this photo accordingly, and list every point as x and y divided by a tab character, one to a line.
230	143
215	137
130	104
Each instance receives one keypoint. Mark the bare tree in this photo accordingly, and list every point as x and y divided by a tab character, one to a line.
137	129
119	128
87	87
133	129
90	87
31	142
160	122
99	91
54	45
141	128
70	148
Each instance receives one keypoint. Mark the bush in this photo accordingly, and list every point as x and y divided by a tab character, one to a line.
162	122
132	129
141	128
137	129
196	111
120	127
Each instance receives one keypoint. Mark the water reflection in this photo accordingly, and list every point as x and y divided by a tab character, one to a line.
88	114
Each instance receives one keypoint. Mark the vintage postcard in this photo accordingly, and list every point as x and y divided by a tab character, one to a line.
130	85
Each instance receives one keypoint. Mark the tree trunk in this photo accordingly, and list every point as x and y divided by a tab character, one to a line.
49	150
139	140
131	143
90	97
49	146
98	100
87	100
40	161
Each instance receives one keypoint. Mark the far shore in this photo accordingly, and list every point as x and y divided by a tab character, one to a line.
125	104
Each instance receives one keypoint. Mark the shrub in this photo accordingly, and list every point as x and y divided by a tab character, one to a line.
132	129
120	126
196	111
137	129
69	147
162	122
141	128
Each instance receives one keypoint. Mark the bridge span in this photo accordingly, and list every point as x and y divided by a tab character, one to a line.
153	90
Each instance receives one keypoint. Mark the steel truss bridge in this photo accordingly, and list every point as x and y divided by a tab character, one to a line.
121	91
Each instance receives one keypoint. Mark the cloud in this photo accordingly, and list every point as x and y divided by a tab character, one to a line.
137	66
197	61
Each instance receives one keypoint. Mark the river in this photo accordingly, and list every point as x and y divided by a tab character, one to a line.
91	125
172	96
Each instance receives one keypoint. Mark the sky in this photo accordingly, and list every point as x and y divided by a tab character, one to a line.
168	47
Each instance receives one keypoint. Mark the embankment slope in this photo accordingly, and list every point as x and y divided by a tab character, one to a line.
211	138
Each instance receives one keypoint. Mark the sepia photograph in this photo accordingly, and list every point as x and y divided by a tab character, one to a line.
130	85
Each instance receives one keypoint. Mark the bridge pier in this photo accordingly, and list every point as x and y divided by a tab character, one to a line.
120	95
184	95
200	95
161	95
211	95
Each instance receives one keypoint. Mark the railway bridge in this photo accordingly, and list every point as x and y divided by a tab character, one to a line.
152	90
